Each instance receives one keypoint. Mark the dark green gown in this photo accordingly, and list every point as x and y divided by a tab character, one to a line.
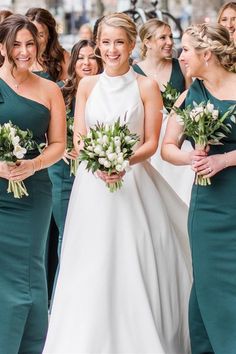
62	182
212	232
24	225
177	79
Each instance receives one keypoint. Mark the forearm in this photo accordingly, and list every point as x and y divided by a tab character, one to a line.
171	153
50	155
230	159
143	153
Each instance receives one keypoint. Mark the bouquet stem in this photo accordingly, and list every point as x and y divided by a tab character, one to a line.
113	187
74	164
199	179
18	189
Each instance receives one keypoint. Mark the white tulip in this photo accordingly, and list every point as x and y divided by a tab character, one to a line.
98	149
101	161
19	151
119	168
112	156
107	164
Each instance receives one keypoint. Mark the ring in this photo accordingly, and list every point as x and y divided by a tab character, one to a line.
209	170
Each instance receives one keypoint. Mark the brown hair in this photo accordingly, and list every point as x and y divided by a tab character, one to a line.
214	37
4	14
53	55
8	31
70	88
228	5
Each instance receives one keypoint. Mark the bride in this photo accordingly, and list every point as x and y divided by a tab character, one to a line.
124	279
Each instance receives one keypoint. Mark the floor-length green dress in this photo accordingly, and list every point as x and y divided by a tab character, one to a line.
212	231
62	183
23	231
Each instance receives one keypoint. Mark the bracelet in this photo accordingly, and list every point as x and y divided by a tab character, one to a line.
226	160
40	159
33	167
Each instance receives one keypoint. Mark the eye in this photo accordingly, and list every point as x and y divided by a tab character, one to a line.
80	58
92	58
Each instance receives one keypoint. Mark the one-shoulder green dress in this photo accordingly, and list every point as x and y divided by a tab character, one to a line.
177	79
212	232
23	232
62	183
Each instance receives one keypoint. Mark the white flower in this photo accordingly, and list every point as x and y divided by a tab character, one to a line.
112	156
90	148
101	160
125	165
107	164
127	138
19	151
15	140
105	140
215	114
209	107
98	149
118	150
117	141
107	127
169	97
132	141
91	155
119	168
120	159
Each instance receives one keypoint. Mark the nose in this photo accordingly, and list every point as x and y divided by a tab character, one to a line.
181	57
169	40
86	60
23	49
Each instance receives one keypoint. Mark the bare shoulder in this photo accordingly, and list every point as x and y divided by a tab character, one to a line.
147	86
87	84
66	55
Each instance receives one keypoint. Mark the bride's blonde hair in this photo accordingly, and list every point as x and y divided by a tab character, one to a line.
119	20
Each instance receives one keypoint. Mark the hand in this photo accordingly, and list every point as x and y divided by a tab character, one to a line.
195	156
112	178
21	170
4	170
210	165
72	155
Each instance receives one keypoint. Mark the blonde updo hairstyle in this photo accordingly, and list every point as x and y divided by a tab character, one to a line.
214	37
119	20
147	31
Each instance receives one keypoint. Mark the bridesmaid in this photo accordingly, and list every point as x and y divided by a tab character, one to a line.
159	64
3	14
227	17
209	55
52	65
83	62
53	59
36	104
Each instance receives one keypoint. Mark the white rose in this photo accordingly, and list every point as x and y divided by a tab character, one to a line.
98	149
120	159
19	151
91	155
125	165
118	150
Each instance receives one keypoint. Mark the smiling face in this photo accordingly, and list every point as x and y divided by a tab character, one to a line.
86	63
42	35
115	49
161	43
193	60
228	20
24	50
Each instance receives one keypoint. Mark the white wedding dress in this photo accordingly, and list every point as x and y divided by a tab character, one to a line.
180	178
125	272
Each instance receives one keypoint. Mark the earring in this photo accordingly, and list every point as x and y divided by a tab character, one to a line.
206	63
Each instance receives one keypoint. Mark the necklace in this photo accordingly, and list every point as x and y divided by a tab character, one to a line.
18	84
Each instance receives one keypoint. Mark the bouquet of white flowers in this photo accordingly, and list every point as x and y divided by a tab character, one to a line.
70	146
14	144
169	96
108	148
205	126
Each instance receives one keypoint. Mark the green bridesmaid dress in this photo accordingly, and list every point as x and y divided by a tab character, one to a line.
177	79
62	183
24	226
212	232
